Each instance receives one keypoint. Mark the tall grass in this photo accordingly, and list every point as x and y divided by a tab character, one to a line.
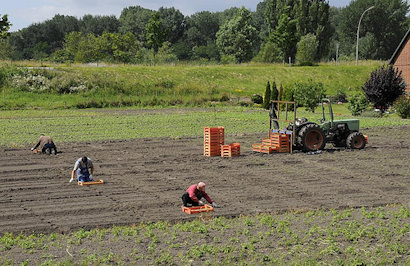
118	85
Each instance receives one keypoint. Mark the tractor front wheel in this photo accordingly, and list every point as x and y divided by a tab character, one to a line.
356	140
311	138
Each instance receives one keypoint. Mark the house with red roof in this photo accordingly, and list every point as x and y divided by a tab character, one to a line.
401	59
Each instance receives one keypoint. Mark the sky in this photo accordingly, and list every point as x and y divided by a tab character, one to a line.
23	13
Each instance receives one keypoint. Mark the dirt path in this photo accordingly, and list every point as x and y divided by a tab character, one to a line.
145	179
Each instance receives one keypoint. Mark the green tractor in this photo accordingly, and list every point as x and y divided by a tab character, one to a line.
309	136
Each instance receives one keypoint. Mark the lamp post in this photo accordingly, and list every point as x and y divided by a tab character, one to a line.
358	28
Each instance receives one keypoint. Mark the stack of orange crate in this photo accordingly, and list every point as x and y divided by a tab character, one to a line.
214	137
278	142
231	150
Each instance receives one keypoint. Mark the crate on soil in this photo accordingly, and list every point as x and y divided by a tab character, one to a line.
278	142
197	209
257	147
99	182
231	150
214	137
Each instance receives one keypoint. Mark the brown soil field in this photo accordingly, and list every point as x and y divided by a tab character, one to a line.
145	178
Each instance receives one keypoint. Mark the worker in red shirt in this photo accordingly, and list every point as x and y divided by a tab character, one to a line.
194	194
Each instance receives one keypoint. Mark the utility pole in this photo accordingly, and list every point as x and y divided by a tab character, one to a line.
358	29
337	52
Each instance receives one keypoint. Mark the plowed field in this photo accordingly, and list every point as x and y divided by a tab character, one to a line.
145	179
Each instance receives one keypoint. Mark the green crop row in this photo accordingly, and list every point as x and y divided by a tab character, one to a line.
375	236
22	127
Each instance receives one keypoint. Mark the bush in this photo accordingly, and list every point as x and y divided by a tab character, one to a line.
3	76
339	97
402	106
256	98
309	94
286	94
384	86
62	56
228	59
307	49
309	63
372	114
224	97
270	53
357	104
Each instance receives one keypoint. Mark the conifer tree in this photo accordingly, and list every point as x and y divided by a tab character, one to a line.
267	98
274	93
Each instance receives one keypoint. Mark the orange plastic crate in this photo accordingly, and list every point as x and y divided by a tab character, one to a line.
212	154
257	147
197	209
267	142
212	147
281	149
212	151
213	139
99	182
214	142
214	129
231	150
267	149
280	139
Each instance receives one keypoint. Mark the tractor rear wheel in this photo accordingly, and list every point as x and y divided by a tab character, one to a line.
311	138
355	140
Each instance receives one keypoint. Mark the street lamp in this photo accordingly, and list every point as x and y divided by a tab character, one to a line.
358	28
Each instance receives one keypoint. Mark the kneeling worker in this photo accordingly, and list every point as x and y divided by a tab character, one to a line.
81	166
46	144
194	194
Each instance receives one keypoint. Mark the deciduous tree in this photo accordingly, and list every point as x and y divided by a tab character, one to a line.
174	21
97	25
4	27
237	37
387	22
156	33
288	20
134	19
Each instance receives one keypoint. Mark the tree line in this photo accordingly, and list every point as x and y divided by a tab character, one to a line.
307	31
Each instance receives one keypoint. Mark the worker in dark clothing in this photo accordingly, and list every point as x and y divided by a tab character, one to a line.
46	144
194	194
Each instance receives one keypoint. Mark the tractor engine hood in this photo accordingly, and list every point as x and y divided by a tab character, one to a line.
353	124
